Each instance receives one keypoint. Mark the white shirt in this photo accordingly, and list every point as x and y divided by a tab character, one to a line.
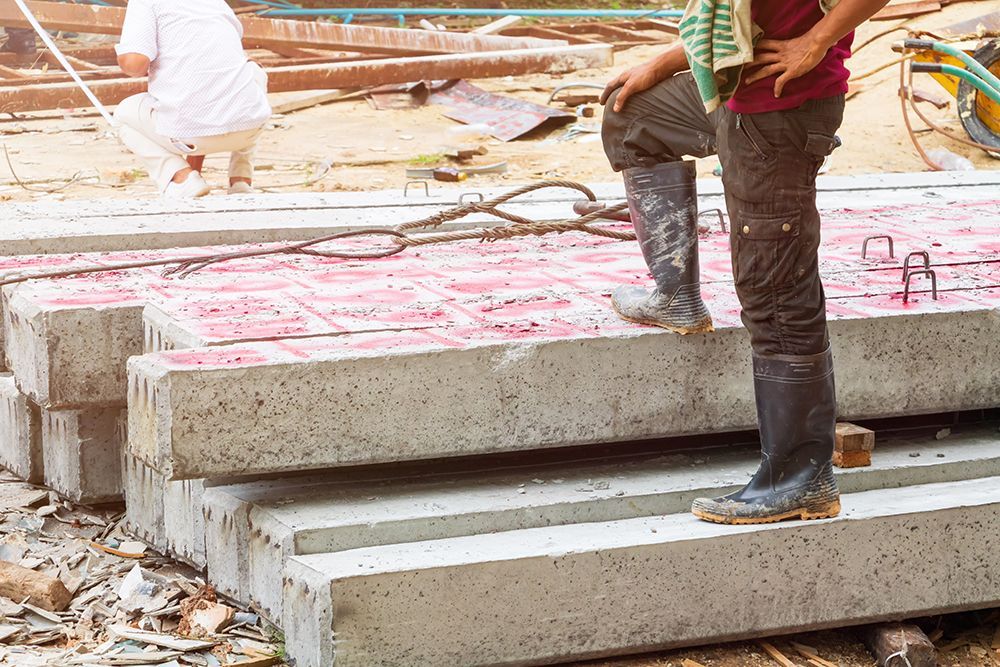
199	75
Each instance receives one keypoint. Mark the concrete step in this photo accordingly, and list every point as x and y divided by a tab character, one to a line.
251	529
251	409
548	595
20	433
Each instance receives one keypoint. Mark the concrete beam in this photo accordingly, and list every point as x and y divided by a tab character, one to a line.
252	529
82	450
599	589
20	433
250	409
166	515
109	225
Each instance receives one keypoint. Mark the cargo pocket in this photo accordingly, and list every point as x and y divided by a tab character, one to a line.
767	252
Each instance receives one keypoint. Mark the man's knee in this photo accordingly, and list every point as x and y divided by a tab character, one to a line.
128	112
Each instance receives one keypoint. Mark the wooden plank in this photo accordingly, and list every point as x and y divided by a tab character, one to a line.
907	10
853	438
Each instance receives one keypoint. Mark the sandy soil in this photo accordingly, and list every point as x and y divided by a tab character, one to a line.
371	149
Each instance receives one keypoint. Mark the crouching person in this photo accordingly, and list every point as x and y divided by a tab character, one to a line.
204	95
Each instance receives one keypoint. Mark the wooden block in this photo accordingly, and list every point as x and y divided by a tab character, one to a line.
885	641
41	590
851	438
860	459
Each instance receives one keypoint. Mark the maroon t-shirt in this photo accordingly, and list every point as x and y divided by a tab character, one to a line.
784	20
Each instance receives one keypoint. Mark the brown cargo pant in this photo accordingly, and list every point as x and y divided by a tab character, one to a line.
769	161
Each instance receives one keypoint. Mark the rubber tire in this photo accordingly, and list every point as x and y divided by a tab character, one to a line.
988	55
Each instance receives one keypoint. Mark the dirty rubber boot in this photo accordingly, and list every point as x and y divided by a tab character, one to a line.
664	209
796	409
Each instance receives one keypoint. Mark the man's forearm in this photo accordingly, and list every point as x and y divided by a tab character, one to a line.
842	19
672	60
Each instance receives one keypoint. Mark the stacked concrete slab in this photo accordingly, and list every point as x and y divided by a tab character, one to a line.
547	595
283	414
265	523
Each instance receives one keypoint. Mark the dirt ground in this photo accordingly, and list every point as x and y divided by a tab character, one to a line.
347	145
369	149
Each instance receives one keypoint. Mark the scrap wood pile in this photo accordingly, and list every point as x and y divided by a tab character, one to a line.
74	590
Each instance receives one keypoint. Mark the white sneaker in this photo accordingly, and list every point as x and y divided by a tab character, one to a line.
193	186
241	188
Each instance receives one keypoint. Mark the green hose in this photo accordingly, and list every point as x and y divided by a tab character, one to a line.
951	70
978	68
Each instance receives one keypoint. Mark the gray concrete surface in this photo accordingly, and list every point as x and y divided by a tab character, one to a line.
101	225
82	453
251	409
549	595
20	433
66	355
166	515
253	528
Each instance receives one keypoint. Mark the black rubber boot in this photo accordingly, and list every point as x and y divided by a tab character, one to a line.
663	204
797	410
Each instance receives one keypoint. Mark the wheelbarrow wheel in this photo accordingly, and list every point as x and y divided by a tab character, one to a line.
968	97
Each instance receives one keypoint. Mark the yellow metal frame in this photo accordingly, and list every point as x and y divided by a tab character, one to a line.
987	110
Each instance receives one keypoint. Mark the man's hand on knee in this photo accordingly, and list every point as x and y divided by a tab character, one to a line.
645	76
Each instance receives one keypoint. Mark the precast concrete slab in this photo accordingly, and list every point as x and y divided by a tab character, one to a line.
108	225
276	218
68	339
550	595
250	409
20	433
251	529
166	515
82	453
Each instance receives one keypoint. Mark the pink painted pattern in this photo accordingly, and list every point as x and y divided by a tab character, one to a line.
530	289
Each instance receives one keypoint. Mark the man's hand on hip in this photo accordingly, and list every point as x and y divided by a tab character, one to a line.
792	58
787	58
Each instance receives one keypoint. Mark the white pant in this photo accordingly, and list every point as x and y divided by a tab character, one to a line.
165	156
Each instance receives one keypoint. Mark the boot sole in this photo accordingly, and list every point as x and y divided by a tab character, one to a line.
705	326
801	514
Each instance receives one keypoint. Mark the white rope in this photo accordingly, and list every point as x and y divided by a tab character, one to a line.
62	60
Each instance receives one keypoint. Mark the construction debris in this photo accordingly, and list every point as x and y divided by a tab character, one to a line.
305	56
82	595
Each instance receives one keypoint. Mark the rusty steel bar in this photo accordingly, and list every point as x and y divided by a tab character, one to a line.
560	59
263	32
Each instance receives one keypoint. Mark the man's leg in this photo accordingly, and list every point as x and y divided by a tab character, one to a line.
138	132
647	140
241	166
241	160
770	162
